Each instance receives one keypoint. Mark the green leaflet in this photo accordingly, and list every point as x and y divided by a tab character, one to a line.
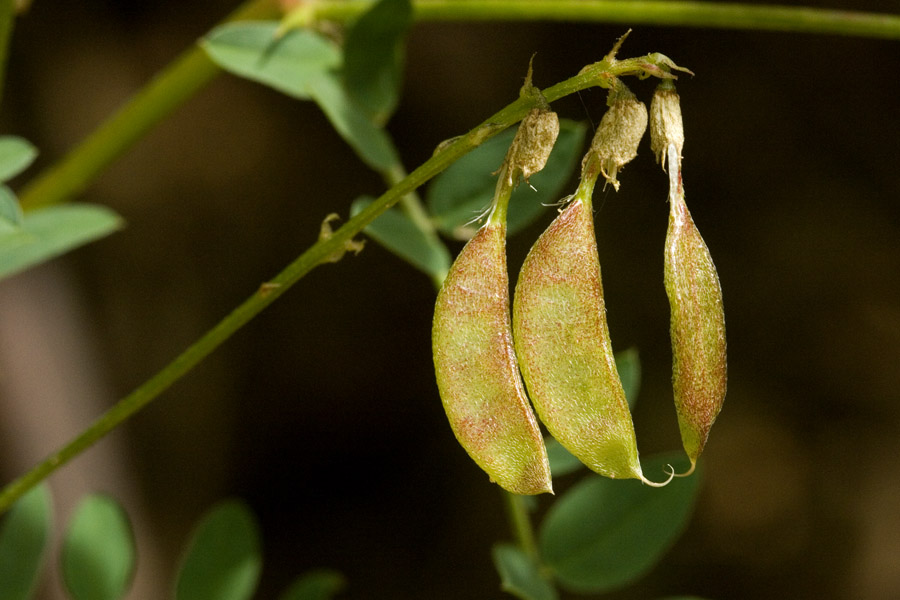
98	555
520	575
603	534
321	584
290	64
305	65
16	154
396	232
223	559
48	232
24	533
373	57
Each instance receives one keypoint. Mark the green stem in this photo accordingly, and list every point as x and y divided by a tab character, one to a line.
631	12
321	252
520	522
173	86
7	16
502	193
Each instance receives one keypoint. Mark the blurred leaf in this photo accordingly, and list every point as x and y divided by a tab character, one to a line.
321	584
23	542
98	553
562	462
15	155
223	558
520	575
466	188
605	533
290	64
396	232
371	143
10	212
682	598
373	57
302	64
51	231
628	364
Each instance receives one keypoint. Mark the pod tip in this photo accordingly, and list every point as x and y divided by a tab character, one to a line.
646	481
689	471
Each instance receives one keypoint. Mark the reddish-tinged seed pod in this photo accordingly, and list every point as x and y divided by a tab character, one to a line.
699	375
563	344
475	362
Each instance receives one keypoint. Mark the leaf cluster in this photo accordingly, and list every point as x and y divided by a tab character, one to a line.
222	559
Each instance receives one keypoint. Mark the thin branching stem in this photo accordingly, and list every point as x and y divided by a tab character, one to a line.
632	12
7	17
520	523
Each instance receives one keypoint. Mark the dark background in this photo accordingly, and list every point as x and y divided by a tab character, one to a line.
323	413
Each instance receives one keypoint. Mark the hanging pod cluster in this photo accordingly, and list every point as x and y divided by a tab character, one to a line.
557	336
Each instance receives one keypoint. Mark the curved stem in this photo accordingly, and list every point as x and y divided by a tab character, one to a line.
171	88
631	12
520	522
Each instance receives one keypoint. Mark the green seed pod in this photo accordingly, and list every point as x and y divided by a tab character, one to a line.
699	376
619	132
475	362
563	344
666	126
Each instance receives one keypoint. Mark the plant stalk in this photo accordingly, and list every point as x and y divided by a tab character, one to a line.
629	12
520	523
7	18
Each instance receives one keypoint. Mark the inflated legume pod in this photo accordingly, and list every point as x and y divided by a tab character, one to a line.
474	357
563	343
699	375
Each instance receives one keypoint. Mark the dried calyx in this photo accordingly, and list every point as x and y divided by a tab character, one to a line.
665	123
620	131
535	137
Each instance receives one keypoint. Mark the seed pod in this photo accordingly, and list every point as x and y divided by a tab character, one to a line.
699	376
666	126
563	344
619	133
475	362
